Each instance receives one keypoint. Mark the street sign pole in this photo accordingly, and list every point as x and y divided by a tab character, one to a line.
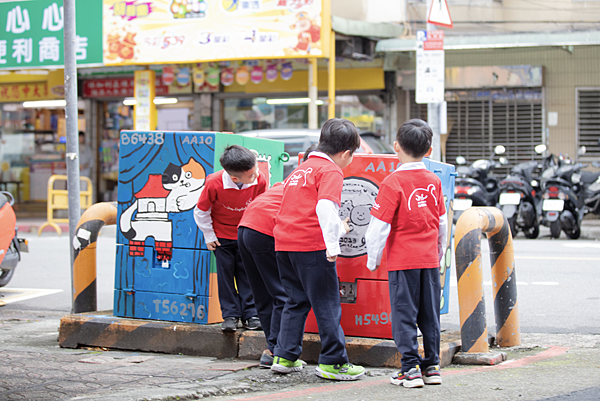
433	113
71	116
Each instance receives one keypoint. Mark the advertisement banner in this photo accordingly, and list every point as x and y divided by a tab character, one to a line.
181	31
32	33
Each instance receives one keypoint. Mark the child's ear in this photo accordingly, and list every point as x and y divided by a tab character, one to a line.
428	152
234	179
396	147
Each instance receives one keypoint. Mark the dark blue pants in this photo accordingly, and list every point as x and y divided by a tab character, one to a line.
415	300
234	303
258	254
310	281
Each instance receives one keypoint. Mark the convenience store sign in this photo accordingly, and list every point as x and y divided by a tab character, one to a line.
31	33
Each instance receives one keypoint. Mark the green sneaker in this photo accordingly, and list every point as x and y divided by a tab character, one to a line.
346	371
282	365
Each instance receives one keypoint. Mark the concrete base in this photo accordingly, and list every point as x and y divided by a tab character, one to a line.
101	329
482	358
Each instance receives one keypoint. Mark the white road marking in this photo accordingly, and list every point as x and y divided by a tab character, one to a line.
582	244
454	284
23	294
554	258
545	283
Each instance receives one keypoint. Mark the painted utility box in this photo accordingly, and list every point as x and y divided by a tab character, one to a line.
163	268
364	294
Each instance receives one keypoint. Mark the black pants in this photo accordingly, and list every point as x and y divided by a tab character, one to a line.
310	281
258	254
234	303
415	300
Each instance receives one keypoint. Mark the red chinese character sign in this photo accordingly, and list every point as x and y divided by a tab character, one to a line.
430	67
181	31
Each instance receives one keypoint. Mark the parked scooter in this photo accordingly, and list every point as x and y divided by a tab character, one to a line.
563	203
11	246
521	198
592	189
474	185
591	181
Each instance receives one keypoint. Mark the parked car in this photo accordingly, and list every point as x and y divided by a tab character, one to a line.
298	140
377	143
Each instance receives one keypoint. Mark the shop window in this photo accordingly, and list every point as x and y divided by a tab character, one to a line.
32	148
588	121
365	111
116	117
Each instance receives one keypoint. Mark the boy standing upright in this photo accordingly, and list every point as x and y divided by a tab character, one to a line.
225	196
410	215
307	233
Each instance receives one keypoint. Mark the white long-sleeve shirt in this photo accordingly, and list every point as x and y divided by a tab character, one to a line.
331	225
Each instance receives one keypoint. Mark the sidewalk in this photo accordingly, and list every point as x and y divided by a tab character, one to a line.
35	368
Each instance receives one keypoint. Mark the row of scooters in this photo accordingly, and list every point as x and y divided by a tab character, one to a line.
555	192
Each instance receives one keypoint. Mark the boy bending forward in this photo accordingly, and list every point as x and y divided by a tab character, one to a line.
307	233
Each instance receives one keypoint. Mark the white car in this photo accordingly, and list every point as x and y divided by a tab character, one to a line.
298	140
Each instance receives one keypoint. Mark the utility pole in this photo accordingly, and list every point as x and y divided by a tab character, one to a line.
433	109
71	116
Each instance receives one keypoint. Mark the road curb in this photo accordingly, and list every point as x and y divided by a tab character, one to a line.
102	329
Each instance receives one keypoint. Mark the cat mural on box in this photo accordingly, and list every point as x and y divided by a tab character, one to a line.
176	190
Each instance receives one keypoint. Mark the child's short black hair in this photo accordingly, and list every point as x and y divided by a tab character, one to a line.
415	137
308	151
237	159
338	135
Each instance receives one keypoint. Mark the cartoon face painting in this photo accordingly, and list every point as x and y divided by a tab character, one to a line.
358	197
174	191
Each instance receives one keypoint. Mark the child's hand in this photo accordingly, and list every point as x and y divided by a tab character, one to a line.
213	245
346	226
330	258
373	269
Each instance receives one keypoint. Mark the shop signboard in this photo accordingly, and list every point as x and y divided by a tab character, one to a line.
123	87
174	31
32	33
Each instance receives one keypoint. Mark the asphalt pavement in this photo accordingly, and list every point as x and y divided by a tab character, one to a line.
549	366
546	366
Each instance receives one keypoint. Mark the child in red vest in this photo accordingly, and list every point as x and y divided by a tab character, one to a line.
257	248
409	219
307	233
224	198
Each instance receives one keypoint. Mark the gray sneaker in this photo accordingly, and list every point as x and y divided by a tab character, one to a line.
432	375
410	379
266	360
229	324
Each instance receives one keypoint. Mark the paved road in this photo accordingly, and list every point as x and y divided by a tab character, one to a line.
557	282
558	360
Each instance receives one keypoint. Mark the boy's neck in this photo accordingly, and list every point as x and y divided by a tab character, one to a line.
408	159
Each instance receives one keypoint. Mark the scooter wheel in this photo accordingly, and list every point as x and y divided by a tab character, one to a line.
5	276
533	232
555	229
574	234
